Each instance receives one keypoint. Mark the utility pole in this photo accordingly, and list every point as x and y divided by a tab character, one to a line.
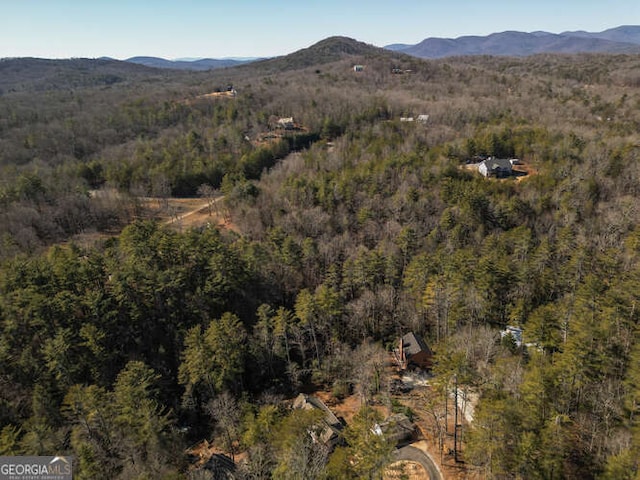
455	423
446	407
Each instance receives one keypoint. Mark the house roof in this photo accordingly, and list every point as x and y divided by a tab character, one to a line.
515	332
493	163
397	427
332	425
411	344
221	466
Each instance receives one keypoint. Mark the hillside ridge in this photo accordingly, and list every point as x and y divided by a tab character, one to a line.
623	39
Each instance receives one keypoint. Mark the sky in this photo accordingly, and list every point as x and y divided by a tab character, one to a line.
263	28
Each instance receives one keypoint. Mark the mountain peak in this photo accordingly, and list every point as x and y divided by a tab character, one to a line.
329	50
342	44
334	48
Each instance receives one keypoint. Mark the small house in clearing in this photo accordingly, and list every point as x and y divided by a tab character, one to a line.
286	123
514	332
413	352
358	68
396	428
420	118
331	427
495	167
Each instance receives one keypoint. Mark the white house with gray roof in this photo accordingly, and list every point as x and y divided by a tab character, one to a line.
495	167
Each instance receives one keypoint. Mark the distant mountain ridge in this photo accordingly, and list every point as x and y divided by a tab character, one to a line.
24	73
40	74
623	33
623	39
185	64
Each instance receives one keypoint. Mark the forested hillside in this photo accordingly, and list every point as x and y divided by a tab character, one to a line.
351	229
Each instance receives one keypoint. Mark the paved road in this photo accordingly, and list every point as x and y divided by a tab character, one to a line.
414	454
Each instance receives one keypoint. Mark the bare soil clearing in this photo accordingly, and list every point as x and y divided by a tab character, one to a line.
524	171
176	213
521	171
192	213
405	470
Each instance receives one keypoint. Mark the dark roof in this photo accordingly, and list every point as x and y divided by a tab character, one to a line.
413	345
495	163
221	466
330	434
397	427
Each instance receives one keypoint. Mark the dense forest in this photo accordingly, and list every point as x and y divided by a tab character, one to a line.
351	229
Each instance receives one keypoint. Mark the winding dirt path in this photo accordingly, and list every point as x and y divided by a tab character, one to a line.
179	218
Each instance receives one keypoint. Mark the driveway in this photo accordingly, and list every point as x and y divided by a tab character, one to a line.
413	454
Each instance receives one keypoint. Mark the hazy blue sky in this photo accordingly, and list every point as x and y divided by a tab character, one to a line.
213	28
